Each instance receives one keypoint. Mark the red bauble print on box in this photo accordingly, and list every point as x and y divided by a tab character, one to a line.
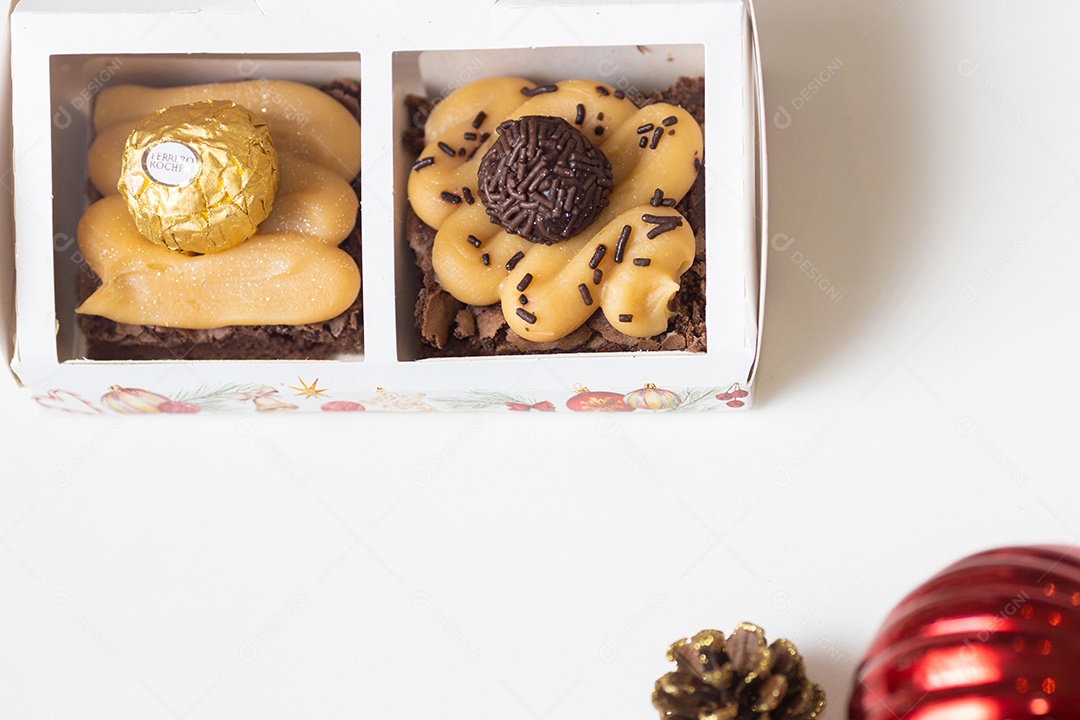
587	401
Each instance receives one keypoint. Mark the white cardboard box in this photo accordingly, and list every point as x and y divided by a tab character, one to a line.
64	50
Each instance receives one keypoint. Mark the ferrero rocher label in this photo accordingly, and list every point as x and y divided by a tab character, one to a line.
171	163
199	178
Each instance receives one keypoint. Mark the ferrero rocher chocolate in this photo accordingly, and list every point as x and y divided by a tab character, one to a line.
199	178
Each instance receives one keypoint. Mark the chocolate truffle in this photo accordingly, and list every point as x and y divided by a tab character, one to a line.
543	179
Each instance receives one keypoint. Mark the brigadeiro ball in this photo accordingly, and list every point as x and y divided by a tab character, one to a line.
543	180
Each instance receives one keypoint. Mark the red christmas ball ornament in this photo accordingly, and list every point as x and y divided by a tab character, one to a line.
995	636
179	407
733	396
342	406
588	401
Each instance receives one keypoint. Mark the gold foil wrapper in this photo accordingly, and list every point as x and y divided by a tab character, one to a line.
200	177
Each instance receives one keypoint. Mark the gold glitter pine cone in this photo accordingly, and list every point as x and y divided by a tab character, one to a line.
737	678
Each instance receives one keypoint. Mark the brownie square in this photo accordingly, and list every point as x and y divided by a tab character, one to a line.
447	327
344	334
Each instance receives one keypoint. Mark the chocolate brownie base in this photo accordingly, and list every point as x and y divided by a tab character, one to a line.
344	334
449	328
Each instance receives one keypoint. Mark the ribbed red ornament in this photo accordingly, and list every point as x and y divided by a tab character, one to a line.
588	401
995	636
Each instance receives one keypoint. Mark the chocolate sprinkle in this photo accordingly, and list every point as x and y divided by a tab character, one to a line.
597	257
526	316
484	137
486	259
602	90
423	163
663	224
521	286
585	294
657	134
450	197
467	194
597	276
472	153
599	116
470	136
479	120
670	132
619	94
659	200
447	149
697	165
512	262
645	128
599	130
669	121
523	300
543	180
626	318
580	116
474	241
644	142
539	90
620	247
642	262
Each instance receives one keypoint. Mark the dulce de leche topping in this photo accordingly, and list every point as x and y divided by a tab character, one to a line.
626	262
290	272
273	278
199	177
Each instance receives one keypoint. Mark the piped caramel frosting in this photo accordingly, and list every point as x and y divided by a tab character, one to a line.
627	262
290	272
272	279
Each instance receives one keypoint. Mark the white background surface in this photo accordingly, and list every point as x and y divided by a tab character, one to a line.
535	568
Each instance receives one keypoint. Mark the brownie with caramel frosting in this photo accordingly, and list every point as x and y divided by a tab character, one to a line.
344	334
449	328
